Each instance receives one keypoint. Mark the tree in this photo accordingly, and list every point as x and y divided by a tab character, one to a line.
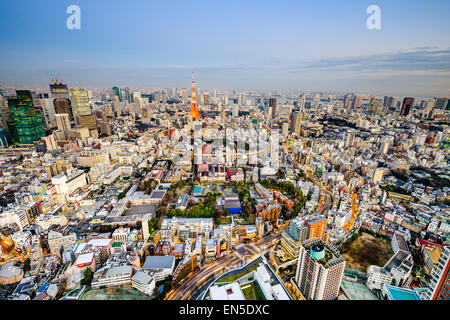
26	265
88	275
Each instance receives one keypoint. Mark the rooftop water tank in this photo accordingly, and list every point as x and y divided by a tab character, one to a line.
318	251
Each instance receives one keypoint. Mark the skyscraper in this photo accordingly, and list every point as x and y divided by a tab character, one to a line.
80	102
184	97
406	106
194	111
206	99
273	105
59	90
439	288
296	122
242	98
302	103
390	104
441	103
347	98
124	95
115	91
27	120
63	123
63	105
320	269
116	104
357	101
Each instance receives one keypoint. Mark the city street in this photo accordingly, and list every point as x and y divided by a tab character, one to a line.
187	289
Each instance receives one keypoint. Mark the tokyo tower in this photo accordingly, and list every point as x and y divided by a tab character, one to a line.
194	111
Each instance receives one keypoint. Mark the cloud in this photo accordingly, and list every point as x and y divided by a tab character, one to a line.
418	59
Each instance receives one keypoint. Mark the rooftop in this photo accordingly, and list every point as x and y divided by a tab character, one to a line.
396	293
159	262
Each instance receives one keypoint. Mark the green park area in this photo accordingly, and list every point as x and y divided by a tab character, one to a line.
252	291
364	250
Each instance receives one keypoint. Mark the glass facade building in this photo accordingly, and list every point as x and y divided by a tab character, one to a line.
27	125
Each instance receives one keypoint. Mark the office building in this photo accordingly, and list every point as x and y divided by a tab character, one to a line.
406	106
296	122
63	123
357	101
293	237
59	90
80	102
317	226
273	105
27	126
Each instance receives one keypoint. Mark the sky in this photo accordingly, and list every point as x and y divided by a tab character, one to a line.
230	44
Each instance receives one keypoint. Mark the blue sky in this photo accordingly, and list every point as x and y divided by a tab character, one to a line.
246	44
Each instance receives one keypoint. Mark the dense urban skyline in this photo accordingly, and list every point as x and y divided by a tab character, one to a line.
202	151
285	45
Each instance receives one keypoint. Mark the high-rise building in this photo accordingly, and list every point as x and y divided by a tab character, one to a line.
62	106
184	97
293	236
206	99
441	103
439	288
349	138
296	122
124	95
320	269
63	123
391	104
27	125
242	98
347	99
59	90
80	102
406	106
302	103
49	111
286	111
116	92
357	101
273	105
116	104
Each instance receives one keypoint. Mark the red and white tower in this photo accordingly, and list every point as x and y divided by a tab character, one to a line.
194	111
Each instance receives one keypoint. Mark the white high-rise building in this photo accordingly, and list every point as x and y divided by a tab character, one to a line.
320	270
